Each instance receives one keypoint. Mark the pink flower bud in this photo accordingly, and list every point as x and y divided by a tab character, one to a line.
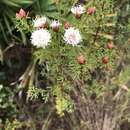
21	14
91	10
67	25
81	59
105	59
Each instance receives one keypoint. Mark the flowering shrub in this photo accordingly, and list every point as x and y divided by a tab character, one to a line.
74	65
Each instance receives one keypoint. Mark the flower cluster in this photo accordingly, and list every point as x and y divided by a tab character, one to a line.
78	10
41	37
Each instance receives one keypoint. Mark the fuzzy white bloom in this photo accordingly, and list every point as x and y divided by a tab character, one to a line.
78	9
40	38
72	36
39	22
55	24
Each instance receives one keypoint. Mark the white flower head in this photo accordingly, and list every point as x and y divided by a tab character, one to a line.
40	38
55	24
72	36
40	22
78	9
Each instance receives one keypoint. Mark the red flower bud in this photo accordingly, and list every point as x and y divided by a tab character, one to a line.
110	45
67	25
91	10
81	59
105	59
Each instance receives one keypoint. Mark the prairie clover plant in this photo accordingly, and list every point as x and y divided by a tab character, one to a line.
75	57
69	51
